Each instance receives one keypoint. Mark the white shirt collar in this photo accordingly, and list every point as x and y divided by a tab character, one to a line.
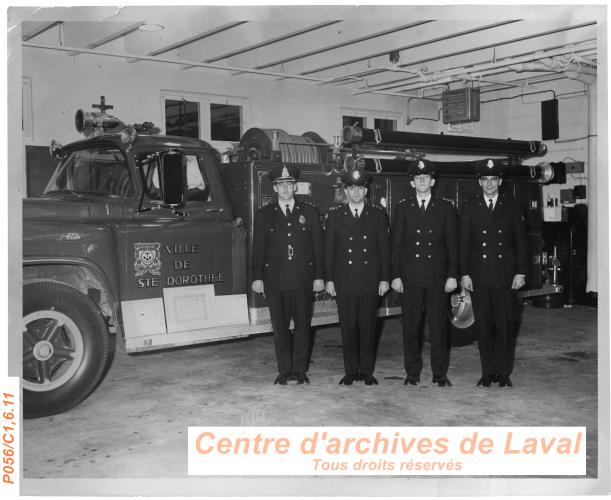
494	198
358	207
283	205
426	199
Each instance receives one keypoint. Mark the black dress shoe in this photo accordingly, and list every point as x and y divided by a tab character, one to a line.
347	380
302	378
411	380
486	380
370	380
292	376
442	381
359	376
281	379
505	381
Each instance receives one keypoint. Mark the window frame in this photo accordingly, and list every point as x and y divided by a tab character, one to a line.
205	100
371	114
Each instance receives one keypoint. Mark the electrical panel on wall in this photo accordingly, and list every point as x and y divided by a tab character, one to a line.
461	105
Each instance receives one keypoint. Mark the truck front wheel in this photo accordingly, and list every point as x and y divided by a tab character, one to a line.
66	347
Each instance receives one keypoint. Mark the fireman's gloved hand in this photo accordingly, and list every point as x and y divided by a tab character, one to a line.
519	280
397	285
451	285
383	288
466	283
319	285
330	288
257	286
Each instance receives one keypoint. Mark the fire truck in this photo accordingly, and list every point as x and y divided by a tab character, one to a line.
142	241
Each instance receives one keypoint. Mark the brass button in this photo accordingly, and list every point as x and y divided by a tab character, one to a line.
429	256
484	244
500	256
350	250
364	249
288	224
417	255
365	262
484	231
417	230
289	234
350	238
417	243
349	262
364	236
484	256
500	231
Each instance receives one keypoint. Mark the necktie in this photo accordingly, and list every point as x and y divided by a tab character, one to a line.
288	210
422	207
490	205
356	213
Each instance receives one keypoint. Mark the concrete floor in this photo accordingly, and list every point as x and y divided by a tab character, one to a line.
135	424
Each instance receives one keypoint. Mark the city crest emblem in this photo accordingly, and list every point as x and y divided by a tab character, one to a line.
302	219
147	258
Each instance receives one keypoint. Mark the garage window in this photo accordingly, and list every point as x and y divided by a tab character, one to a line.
218	120
182	118
370	118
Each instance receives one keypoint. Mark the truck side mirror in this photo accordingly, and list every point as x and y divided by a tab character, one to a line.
173	177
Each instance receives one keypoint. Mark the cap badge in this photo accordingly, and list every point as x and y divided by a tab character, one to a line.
356	175
420	164
285	172
490	164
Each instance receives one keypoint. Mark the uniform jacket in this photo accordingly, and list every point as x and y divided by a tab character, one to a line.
357	253
493	246
287	251
424	245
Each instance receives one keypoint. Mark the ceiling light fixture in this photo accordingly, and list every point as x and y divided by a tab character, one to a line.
150	27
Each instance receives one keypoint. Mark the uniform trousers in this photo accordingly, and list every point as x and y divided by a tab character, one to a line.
433	301
357	319
292	347
493	308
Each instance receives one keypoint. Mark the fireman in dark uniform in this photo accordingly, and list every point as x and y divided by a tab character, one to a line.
493	262
287	266
424	269
357	257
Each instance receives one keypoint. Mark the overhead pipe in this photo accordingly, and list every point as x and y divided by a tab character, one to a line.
169	61
449	76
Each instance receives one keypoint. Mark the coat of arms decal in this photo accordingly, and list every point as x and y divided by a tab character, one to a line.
147	258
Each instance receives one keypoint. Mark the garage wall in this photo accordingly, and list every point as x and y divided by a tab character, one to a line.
59	85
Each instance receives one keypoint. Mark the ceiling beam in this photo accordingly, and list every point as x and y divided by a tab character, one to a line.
158	59
190	40
411	46
271	41
40	29
343	44
113	36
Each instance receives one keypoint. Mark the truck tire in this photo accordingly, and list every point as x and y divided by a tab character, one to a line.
66	348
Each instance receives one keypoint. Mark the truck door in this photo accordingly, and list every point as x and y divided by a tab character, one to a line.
181	263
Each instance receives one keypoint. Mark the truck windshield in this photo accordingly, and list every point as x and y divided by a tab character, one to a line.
100	171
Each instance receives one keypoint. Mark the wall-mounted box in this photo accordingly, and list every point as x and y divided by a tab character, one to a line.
460	106
574	167
567	196
579	192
